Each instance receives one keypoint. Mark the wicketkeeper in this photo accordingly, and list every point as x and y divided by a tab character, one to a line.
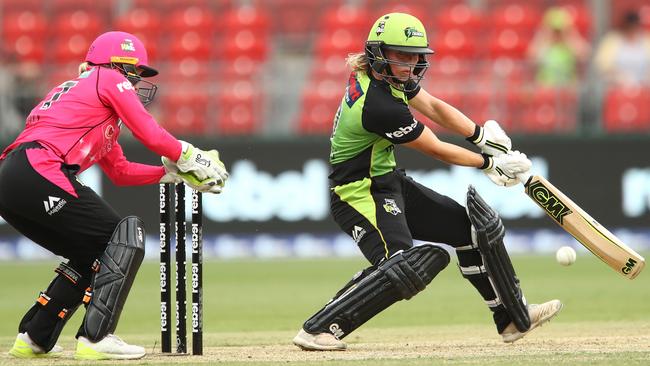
384	210
76	126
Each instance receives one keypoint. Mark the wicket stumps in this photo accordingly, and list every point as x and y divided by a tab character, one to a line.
172	195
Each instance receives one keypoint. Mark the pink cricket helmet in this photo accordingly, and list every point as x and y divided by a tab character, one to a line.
120	47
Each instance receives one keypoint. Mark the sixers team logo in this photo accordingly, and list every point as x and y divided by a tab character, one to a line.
127	45
109	132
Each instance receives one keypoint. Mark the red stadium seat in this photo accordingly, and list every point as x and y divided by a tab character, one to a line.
347	17
59	6
246	17
190	44
506	72
241	68
184	111
644	14
296	20
339	42
317	114
62	73
454	42
519	17
484	104
144	21
171	5
239	109
626	109
319	105
71	48
246	44
459	16
24	23
79	21
508	43
550	111
186	71
13	6
446	74
25	48
331	68
192	18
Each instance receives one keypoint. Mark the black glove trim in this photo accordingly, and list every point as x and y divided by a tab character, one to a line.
487	162
476	136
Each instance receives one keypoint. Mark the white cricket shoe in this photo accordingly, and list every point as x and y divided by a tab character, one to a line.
318	342
109	348
24	347
539	314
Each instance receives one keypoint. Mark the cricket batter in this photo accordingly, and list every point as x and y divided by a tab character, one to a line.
383	209
76	126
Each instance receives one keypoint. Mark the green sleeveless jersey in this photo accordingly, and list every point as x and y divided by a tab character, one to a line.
372	117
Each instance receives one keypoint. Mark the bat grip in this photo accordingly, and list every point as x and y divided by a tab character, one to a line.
523	178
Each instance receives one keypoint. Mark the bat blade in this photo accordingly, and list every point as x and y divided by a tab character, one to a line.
591	234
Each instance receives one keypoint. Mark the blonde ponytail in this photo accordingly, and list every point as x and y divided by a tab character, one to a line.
83	67
358	61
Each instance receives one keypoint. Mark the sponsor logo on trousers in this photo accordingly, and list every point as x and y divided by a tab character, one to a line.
53	204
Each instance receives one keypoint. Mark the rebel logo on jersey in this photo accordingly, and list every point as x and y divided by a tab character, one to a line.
403	130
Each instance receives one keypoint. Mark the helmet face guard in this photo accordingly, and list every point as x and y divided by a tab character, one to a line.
126	53
381	65
145	90
403	33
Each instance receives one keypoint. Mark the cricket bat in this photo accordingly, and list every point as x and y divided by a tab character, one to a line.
574	220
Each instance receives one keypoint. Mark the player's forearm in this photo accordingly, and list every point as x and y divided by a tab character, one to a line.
452	119
430	145
456	155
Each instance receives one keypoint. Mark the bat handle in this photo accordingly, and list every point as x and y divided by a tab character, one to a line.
523	178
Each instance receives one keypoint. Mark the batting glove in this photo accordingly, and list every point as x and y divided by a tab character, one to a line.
491	138
507	169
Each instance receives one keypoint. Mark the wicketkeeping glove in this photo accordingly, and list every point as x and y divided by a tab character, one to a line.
491	138
203	164
506	169
174	175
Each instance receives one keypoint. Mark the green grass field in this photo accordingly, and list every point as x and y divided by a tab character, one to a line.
252	309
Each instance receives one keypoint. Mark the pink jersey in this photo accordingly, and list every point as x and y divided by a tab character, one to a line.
79	122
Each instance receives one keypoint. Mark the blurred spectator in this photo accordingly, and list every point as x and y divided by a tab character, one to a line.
27	77
557	49
623	56
11	121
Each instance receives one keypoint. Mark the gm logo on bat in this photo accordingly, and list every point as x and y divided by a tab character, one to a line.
547	200
628	266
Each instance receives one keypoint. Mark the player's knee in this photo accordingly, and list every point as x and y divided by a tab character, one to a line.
412	270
